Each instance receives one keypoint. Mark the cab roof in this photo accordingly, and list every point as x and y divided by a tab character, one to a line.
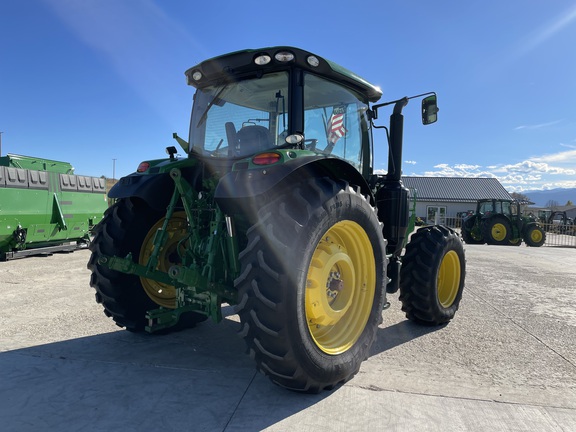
242	64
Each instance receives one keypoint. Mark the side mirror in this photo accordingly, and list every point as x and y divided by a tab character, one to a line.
429	110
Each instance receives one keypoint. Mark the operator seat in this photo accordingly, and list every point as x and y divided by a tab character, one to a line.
252	139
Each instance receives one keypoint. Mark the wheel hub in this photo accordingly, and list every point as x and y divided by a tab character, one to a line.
334	286
498	232
330	295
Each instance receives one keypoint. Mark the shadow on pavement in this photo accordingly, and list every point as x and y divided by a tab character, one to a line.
196	379
400	333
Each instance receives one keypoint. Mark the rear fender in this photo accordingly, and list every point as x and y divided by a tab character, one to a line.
470	221
250	187
529	225
156	189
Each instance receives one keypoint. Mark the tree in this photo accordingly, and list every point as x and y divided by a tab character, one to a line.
569	203
520	197
551	204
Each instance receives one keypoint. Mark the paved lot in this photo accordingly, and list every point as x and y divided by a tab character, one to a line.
506	363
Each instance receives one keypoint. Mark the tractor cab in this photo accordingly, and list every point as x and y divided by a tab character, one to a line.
286	99
489	207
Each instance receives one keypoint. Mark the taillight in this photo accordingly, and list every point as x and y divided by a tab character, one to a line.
266	158
143	167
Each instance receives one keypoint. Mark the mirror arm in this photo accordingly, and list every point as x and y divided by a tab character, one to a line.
374	110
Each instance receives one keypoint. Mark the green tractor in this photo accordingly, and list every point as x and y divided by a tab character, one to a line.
500	222
277	211
559	222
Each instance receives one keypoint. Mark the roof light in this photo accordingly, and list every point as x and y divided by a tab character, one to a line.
313	61
284	56
266	158
197	75
262	59
143	167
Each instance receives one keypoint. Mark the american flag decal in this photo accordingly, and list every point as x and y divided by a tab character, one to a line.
336	129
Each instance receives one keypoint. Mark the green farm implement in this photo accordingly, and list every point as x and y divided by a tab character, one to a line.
45	207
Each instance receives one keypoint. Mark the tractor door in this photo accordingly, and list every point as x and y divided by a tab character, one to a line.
335	122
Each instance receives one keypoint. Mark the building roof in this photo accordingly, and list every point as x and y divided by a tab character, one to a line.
455	189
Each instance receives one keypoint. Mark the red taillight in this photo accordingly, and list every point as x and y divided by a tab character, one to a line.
266	158
143	167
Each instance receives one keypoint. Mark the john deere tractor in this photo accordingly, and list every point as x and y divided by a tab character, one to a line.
500	222
275	209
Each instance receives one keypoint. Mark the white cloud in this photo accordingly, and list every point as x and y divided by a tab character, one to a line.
555	170
466	167
410	162
565	157
538	126
458	170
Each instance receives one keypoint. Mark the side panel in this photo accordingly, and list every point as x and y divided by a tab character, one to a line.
81	208
45	208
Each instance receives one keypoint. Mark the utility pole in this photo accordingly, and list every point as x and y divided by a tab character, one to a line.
113	169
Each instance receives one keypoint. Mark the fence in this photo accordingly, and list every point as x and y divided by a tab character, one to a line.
558	235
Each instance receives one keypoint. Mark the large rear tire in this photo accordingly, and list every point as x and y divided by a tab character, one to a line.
128	227
497	231
312	285
432	275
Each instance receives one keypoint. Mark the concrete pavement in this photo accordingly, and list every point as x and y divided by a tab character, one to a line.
507	362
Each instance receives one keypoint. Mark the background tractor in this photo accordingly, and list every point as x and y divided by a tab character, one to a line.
500	222
276	210
559	222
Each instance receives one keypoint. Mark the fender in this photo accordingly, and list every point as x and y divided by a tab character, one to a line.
155	189
241	185
527	226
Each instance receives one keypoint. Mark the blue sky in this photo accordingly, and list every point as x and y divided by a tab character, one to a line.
90	81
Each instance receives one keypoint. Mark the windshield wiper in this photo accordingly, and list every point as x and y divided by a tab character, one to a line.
212	102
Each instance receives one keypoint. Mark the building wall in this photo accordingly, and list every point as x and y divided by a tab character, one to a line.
452	209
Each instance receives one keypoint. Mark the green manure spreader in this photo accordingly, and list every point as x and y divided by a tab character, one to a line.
275	208
45	207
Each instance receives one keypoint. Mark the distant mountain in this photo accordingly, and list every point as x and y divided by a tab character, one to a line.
542	197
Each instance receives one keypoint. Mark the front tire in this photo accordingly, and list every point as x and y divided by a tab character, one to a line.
534	236
312	285
432	275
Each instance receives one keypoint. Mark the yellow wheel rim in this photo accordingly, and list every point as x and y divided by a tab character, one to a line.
340	287
448	279
536	235
498	232
162	294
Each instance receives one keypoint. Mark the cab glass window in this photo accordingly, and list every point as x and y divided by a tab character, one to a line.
240	118
335	119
